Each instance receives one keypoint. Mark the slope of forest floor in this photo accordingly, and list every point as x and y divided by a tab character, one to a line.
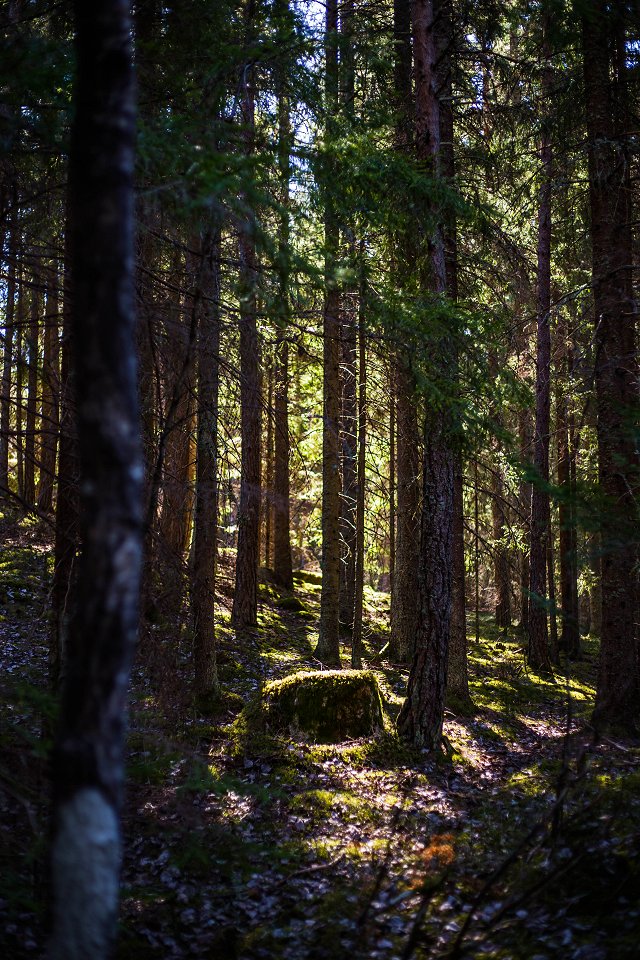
520	841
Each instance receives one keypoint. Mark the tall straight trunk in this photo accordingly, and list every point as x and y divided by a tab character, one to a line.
175	513
356	639
551	581
203	572
538	639
404	599
7	362
392	484
282	559
30	444
616	365
21	313
66	519
524	442
50	393
350	480
328	647
88	761
569	641
502	578
421	716
457	669
245	599
269	466
404	595
349	327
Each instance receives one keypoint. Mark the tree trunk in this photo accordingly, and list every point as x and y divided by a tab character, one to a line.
500	555
328	647
404	595
245	599
282	559
538	647
66	521
203	575
569	641
7	363
50	393
88	763
421	716
356	640
21	311
30	445
615	370
349	430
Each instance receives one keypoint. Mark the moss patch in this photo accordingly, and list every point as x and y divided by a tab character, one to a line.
328	707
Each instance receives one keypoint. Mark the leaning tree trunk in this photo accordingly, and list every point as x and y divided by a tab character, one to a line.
615	370
88	762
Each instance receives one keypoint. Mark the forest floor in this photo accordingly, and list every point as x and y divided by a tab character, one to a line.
521	840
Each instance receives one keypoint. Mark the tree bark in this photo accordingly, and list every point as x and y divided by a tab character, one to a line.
205	535
328	647
282	559
30	439
244	613
538	646
356	639
569	641
421	716
404	595
615	370
88	767
50	393
7	362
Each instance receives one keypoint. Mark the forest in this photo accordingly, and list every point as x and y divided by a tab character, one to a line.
319	479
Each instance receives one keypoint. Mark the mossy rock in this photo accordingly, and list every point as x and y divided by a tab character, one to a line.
327	707
290	603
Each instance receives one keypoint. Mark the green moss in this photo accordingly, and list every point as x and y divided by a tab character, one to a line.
327	706
290	603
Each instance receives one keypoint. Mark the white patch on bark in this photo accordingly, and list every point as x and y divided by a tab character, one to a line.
85	868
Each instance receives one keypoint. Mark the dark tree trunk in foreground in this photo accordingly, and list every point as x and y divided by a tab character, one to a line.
88	766
203	580
421	717
245	599
538	648
328	647
616	368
